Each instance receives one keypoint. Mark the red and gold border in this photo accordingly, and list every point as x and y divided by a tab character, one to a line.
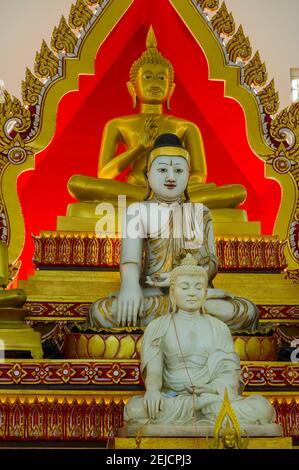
60	372
126	373
76	311
65	418
75	250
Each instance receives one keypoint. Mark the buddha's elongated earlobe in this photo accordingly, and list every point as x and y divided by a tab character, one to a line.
131	90
169	96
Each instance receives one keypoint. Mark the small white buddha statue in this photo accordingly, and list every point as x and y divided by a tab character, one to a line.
188	361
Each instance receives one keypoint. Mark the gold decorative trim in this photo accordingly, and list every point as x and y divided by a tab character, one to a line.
223	22
46	63
63	39
269	99
239	46
255	73
80	15
31	88
208	4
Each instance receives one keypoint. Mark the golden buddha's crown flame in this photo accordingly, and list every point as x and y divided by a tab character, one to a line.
151	41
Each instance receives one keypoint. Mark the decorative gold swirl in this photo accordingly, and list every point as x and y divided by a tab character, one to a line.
63	38
287	120
223	21
12	113
255	72
209	4
269	98
31	88
239	46
80	15
46	63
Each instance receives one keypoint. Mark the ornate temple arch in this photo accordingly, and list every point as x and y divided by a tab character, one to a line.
28	127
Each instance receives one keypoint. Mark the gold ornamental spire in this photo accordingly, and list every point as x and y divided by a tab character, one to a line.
150	56
151	41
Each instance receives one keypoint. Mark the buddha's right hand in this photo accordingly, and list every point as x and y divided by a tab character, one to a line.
129	305
149	132
153	403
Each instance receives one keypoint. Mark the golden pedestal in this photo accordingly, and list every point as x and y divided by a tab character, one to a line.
15	335
196	443
84	216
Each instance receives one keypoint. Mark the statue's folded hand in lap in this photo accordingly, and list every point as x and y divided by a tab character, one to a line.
188	360
157	233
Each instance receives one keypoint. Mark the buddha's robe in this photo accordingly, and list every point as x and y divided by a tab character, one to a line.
196	352
156	236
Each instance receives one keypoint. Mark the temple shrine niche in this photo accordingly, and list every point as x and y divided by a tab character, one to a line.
80	138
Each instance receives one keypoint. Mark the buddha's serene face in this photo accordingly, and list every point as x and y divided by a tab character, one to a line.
189	292
152	83
168	177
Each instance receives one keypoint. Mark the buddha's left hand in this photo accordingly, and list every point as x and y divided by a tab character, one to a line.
159	280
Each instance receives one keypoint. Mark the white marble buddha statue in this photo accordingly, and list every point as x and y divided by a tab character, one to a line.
188	361
168	227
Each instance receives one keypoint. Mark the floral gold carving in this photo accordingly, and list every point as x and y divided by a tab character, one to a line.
287	121
46	63
269	98
63	38
31	88
239	46
255	72
79	15
209	4
223	21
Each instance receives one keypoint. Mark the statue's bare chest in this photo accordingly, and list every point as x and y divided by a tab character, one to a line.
187	337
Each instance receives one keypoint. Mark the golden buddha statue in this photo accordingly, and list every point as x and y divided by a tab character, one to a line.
152	85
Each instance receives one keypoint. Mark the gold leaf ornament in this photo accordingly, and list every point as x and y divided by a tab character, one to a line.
239	46
223	21
31	88
46	63
209	4
269	98
93	3
287	121
255	72
63	38
80	15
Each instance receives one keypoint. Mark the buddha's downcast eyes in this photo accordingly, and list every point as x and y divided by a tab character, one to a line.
148	75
